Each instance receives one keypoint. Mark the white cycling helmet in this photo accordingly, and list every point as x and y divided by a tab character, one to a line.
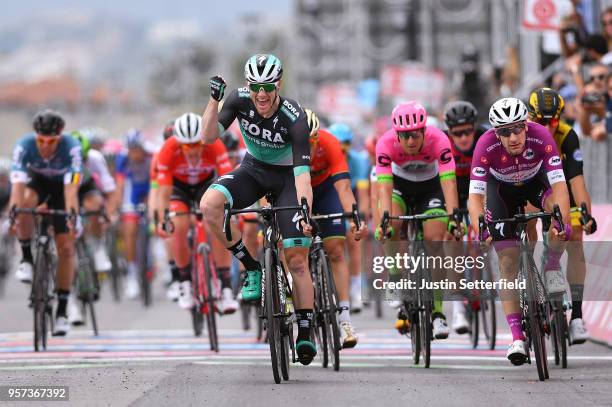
263	68
187	128
507	111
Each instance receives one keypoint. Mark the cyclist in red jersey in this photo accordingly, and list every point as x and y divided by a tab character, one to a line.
460	119
329	174
186	168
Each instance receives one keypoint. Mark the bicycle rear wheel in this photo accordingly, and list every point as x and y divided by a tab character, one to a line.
474	325
487	311
210	300
559	330
117	269
333	331
286	326
272	307
144	264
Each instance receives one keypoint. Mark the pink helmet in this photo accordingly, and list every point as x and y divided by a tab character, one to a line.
409	116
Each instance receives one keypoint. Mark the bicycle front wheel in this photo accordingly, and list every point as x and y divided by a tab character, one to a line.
272	308
39	300
536	321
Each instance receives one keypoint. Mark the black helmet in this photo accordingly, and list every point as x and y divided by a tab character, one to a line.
230	140
545	104
460	112
48	122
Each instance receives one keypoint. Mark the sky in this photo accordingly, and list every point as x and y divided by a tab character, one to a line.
210	13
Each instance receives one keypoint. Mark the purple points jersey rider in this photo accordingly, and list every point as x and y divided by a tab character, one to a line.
490	157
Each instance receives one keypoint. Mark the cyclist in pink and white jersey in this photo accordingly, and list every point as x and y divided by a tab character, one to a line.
415	167
513	163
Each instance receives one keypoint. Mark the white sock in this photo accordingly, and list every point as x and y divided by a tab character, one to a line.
458	307
355	284
132	270
345	314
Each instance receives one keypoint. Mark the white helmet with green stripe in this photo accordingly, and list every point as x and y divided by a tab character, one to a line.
263	68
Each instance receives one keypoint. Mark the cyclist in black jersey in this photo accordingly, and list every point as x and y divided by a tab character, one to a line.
275	132
545	107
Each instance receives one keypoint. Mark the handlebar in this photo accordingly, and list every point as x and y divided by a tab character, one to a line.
524	218
267	210
44	212
354	215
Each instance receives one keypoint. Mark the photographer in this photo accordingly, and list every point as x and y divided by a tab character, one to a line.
593	104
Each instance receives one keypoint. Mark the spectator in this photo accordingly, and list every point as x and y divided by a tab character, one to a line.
596	47
572	33
606	25
592	108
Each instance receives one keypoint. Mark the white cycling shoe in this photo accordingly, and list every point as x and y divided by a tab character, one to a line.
75	314
440	328
132	287
228	304
577	332
102	262
516	352
460	322
173	291
24	272
555	281
185	299
61	326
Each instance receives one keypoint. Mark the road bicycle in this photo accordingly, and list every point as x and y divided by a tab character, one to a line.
204	281
325	322
274	306
534	305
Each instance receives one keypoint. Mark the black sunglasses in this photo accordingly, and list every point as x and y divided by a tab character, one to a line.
461	133
405	135
507	131
600	77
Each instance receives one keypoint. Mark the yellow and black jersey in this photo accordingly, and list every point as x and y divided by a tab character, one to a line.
568	146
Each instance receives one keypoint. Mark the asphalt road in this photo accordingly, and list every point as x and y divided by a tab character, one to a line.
149	357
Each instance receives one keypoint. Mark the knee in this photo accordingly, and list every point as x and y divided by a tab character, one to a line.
297	265
335	252
211	207
65	250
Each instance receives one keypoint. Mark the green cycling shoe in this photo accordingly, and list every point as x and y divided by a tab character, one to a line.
251	290
306	351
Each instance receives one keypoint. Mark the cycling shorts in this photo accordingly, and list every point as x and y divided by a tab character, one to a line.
251	181
87	188
326	201
503	199
187	194
425	196
134	195
51	192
